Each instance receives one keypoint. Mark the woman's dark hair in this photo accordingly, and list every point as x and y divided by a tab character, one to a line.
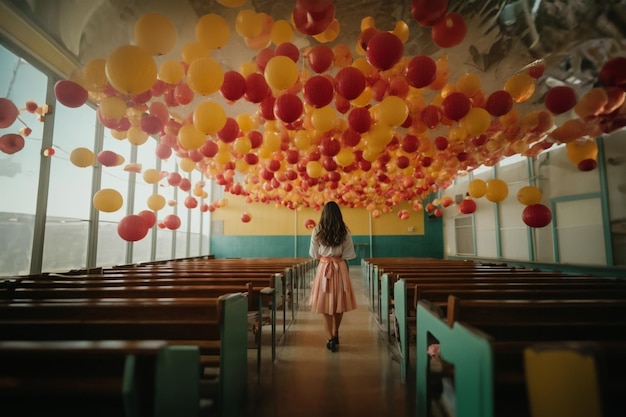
331	230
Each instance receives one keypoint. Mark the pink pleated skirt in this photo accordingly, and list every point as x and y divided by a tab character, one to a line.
332	290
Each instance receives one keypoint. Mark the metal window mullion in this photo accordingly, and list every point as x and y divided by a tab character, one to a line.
94	214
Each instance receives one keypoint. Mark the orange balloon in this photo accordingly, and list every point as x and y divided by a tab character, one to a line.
520	86
131	70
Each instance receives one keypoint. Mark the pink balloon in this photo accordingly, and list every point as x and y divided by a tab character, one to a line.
234	86
183	94
185	185
149	217
318	91
108	158
159	110
132	228
163	151
350	82
8	113
191	202
70	94
174	179
151	125
288	107
171	221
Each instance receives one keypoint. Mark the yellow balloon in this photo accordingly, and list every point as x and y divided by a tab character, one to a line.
497	190
303	139
82	157
401	30
281	72
113	107
345	157
364	99
477	188
187	165
136	136
245	122
190	138
209	117
281	32
156	202
314	169
155	33
212	31
271	141
468	84
330	33
242	145
248	23
247	68
521	87
242	166
151	176
578	151
94	75
118	134
223	156
194	50
379	136
108	200
529	195
392	111
476	121
323	119
205	76
171	71
131	70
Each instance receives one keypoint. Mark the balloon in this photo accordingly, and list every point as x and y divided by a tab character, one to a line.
560	99
529	195
70	94
229	132
360	119
11	143
194	50
132	228
108	158
242	145
172	221
156	202
536	215
8	113
187	165
151	125
421	71
467	206
318	91
330	33
248	23
578	151
212	31
612	72
521	86
82	157
313	23
392	111
497	190
449	31
171	71
431	116
323	119
136	136
155	33
345	157
499	103
256	89
569	131
592	103
209	117
587	165
320	58
113	108
309	224
245	217
191	202
288	107
314	169
384	50
108	200
281	32
163	151
190	137
94	75
205	76
288	49
455	106
148	217
281	72
234	86
477	188
131	70
428	12
151	176
350	83
476	121
441	143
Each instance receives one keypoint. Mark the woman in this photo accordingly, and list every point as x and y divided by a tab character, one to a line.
332	293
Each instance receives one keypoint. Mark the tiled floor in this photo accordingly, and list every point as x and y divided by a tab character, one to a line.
307	380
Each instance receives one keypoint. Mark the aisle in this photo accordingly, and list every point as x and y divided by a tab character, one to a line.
307	380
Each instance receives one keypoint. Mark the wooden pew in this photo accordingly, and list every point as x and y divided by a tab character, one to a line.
99	378
217	327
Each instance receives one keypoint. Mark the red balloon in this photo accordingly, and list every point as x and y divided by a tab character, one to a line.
288	107
449	31
183	94
318	91
171	221
108	158
266	108
467	206
8	113
185	185
256	138
132	228
350	137
587	165
11	143
263	57
191	202
151	125
289	50
350	82
163	151
209	149
234	86
428	12
560	99
149	217
421	71
441	143
320	58
256	88
455	105
312	20
536	215
431	116
70	93
329	146
384	50
410	143
230	131
613	72
499	103
360	119
174	178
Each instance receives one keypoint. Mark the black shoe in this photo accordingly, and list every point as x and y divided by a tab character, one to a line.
336	340
329	344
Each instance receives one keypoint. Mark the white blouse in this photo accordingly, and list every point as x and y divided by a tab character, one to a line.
345	251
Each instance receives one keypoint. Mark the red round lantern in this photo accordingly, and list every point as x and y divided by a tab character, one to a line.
467	206
288	107
421	71
350	82
318	91
499	103
132	228
320	58
536	215
449	31
455	106
70	93
428	12
384	50
560	99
